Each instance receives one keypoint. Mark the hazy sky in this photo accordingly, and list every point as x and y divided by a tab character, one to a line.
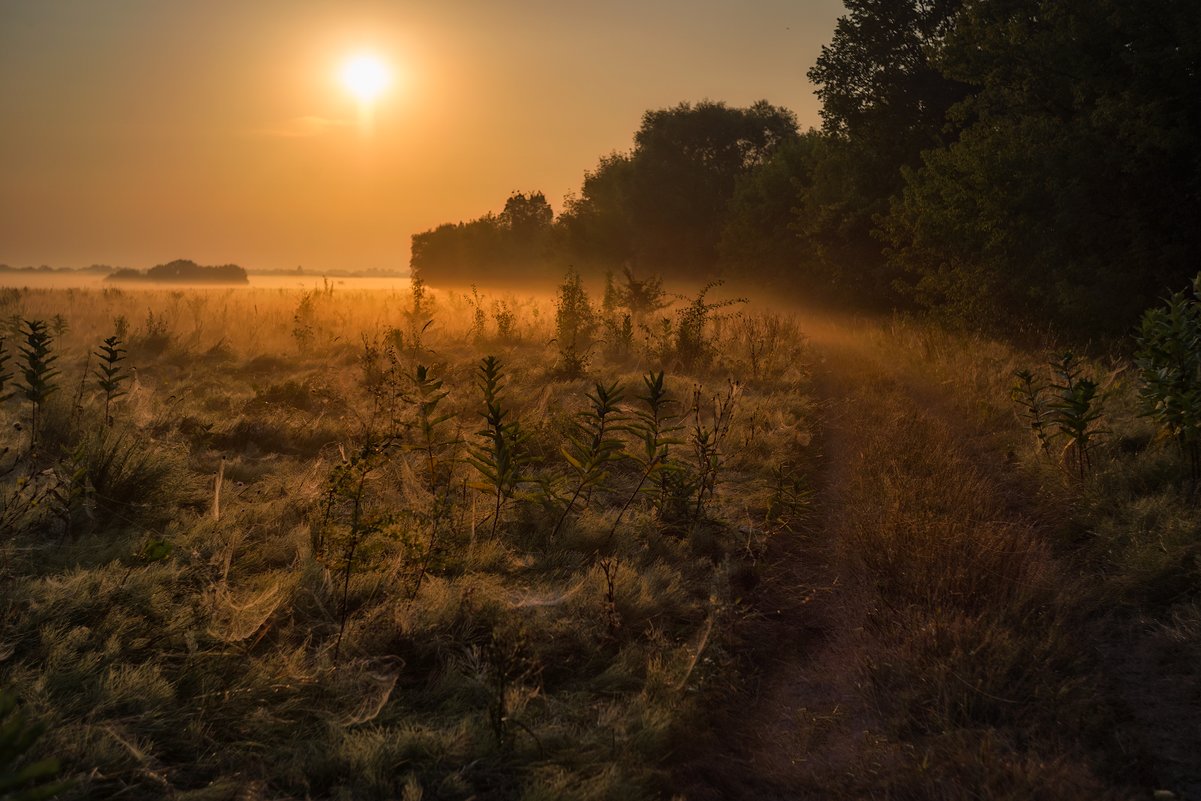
133	132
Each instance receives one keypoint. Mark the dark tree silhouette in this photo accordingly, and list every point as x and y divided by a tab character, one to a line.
662	206
508	247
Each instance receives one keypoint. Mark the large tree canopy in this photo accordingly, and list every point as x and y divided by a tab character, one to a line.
885	99
1074	192
1000	161
513	244
663	205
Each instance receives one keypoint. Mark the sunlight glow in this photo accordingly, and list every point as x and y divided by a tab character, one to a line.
366	76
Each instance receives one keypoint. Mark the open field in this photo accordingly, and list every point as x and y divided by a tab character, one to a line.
526	401
298	561
301	560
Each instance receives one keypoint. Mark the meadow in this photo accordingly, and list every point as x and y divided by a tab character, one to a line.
600	542
336	543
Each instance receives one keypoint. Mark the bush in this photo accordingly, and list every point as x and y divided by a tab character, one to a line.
575	324
1169	362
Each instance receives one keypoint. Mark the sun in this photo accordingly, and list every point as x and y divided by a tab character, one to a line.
365	76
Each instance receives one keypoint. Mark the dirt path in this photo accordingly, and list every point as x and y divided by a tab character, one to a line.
906	639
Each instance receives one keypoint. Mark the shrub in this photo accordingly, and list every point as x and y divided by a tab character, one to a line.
157	336
1169	363
575	323
1067	408
506	321
693	348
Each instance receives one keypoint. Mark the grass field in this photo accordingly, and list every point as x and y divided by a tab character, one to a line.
319	547
297	559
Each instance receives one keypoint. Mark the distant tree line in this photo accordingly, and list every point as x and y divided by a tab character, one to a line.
184	271
1001	162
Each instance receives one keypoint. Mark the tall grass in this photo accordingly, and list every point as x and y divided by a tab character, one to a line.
171	650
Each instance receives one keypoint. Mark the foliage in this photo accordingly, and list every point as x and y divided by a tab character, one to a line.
501	664
39	372
592	448
304	322
110	374
479	319
1071	194
575	323
500	456
439	450
710	429
1027	394
654	427
506	321
1075	410
693	346
513	243
1067	408
348	521
184	271
156	337
1169	363
662	205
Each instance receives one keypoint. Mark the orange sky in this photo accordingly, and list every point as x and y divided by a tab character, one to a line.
133	132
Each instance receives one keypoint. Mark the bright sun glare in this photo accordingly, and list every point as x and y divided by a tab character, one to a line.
365	76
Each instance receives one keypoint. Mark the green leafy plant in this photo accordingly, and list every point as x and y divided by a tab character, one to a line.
618	323
420	311
502	665
791	495
479	320
693	347
500	456
710	426
157	335
348	522
653	426
619	335
438	447
39	372
1027	395
1169	364
575	323
506	321
593	447
304	322
68	497
1075	411
1067	408
640	296
60	325
110	374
